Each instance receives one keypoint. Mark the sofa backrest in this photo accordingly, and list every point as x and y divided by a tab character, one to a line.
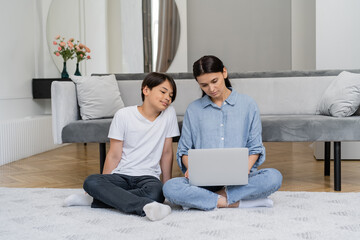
284	95
286	92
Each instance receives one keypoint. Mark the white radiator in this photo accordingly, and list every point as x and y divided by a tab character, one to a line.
21	138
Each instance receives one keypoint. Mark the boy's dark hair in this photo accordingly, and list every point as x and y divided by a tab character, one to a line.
209	64
154	79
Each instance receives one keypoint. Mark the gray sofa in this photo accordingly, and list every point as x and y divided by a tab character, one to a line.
287	102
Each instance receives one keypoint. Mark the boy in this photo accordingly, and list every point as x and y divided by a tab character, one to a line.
140	150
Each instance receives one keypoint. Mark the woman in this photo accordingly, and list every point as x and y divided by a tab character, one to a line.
222	118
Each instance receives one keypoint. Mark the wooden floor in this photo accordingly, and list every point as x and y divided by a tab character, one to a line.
68	166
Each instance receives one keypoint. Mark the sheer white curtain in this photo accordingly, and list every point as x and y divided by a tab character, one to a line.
147	36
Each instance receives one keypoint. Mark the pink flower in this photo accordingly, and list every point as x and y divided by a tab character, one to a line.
88	57
57	37
59	48
81	46
77	48
71	39
57	54
81	55
70	44
62	44
87	49
54	42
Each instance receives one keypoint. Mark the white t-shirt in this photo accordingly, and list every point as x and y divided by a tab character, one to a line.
143	140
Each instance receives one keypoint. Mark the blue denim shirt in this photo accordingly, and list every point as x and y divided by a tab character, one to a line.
235	124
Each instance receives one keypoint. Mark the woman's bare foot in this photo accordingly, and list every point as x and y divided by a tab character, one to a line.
222	200
222	192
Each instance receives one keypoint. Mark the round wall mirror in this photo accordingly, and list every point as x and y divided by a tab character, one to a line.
123	36
161	31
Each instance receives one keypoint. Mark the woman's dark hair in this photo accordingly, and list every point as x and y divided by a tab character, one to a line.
154	79
209	64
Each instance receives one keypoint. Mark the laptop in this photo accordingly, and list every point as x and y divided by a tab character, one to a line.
218	166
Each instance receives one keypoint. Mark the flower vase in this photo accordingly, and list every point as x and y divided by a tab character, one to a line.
64	73
77	72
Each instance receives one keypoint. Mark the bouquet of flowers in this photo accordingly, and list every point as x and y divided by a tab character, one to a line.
65	49
69	50
81	52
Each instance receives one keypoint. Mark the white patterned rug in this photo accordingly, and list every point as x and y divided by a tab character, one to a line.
36	213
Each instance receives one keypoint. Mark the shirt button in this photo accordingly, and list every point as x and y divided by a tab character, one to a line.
221	125
224	103
222	138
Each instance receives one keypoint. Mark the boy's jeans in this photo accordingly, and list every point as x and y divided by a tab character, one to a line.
129	194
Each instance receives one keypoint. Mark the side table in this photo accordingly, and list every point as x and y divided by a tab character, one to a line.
41	87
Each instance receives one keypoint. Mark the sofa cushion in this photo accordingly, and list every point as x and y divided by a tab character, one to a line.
98	96
87	131
342	97
275	128
309	128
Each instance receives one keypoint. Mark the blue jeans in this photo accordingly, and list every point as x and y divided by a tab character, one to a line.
128	194
261	184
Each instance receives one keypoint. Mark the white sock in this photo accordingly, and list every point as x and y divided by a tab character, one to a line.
261	202
156	211
78	200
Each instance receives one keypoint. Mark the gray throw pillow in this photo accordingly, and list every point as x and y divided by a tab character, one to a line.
98	96
342	97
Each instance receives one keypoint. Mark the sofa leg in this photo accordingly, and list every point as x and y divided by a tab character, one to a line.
102	150
327	159
337	166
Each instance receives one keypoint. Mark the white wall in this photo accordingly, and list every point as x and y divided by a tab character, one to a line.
86	21
337	34
248	35
338	47
21	51
96	34
132	41
57	24
25	51
112	29
303	35
17	59
24	56
114	36
44	64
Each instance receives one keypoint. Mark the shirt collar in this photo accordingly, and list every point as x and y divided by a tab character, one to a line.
206	101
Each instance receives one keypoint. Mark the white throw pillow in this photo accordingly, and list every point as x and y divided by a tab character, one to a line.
342	97
98	96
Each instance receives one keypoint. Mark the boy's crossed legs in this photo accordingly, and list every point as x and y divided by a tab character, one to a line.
141	195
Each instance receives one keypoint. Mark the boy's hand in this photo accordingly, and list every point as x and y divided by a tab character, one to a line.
187	174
